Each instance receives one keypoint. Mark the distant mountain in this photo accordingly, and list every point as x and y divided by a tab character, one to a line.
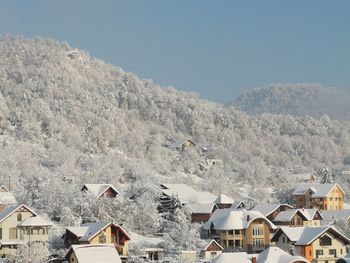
296	100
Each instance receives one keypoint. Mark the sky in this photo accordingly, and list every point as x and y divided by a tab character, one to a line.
218	49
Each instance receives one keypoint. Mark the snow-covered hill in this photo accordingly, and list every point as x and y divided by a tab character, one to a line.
296	100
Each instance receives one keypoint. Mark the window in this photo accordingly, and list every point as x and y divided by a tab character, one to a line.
330	199
213	253
230	243
292	221
0	233
258	242
230	232
102	238
237	232
339	198
333	252
283	240
258	230
319	252
13	233
298	221
237	243
19	217
325	241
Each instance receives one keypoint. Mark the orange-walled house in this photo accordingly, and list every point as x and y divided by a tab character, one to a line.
321	196
98	233
317	244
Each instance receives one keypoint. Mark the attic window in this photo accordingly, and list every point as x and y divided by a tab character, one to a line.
325	241
19	217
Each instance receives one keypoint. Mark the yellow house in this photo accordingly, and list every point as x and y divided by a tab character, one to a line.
317	244
105	253
20	224
321	196
98	233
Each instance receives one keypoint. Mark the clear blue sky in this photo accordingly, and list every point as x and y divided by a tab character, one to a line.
219	49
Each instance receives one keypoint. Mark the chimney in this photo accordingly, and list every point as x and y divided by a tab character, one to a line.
248	218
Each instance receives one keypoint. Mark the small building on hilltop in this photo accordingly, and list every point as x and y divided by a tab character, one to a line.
101	190
182	144
211	250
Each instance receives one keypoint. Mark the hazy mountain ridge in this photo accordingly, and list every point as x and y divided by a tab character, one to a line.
68	119
296	100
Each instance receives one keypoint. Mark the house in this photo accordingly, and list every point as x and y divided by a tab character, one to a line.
333	216
101	190
98	233
20	224
277	255
270	211
6	198
223	201
298	217
316	244
182	144
209	163
212	249
327	196
92	253
239	230
201	213
232	257
178	195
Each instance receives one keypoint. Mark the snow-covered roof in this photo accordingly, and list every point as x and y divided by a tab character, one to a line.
310	213
331	215
178	143
306	235
187	194
201	208
277	255
35	221
99	189
237	204
88	230
318	189
7	198
230	219
267	209
241	257
11	209
286	216
223	199
98	253
208	242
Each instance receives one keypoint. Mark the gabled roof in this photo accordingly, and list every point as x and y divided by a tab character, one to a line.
267	209
180	142
35	221
330	215
223	199
230	219
306	235
241	257
237	205
202	208
104	253
286	216
98	189
187	194
208	242
277	255
88	231
310	213
12	209
318	189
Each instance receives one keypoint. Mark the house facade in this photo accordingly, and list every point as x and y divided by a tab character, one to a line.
325	196
98	233
316	244
298	217
239	230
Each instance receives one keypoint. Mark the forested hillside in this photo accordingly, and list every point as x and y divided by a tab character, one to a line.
296	100
67	119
